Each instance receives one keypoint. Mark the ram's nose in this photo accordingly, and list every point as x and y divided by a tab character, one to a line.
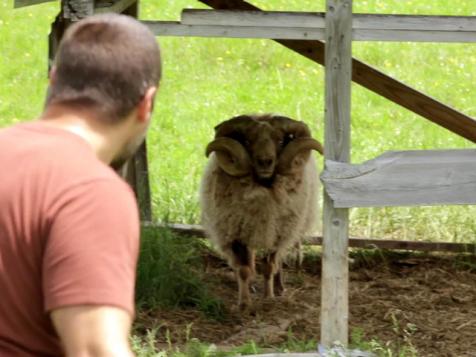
264	166
264	162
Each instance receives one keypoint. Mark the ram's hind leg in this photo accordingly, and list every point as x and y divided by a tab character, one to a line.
244	265
270	269
279	280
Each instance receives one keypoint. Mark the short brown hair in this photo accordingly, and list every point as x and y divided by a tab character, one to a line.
106	62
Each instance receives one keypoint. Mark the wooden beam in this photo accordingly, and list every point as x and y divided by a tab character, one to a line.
75	10
24	3
173	28
376	81
118	6
317	20
304	25
335	265
136	173
196	231
404	178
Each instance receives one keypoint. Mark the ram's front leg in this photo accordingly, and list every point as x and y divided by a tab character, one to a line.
270	269
244	266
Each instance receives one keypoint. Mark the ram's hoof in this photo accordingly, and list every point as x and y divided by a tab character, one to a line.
279	291
244	306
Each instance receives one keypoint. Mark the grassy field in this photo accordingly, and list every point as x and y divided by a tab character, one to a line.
209	80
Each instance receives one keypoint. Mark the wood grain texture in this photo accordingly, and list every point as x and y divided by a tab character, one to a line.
173	28
297	25
75	10
376	81
136	173
404	178
317	19
335	270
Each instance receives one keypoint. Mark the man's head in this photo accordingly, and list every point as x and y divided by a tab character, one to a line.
110	65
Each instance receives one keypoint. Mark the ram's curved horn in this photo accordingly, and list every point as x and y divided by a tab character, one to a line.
298	128
295	147
231	155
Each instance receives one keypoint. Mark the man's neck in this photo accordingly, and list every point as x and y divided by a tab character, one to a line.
102	140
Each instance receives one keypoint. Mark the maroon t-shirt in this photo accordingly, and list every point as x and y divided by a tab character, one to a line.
69	235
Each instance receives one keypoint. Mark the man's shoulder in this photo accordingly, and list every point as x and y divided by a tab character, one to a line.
57	160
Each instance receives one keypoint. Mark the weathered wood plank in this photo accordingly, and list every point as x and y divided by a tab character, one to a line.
317	20
24	3
136	173
414	36
75	10
118	6
335	270
194	230
173	28
404	178
376	81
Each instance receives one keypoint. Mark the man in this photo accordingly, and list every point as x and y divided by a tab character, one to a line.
69	227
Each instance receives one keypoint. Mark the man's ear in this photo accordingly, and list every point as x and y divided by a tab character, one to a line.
52	75
146	105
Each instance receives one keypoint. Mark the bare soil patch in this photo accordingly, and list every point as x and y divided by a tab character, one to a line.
428	301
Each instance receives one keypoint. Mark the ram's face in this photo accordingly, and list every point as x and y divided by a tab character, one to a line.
261	145
263	138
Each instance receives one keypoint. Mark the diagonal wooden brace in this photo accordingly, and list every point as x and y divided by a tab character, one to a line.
375	81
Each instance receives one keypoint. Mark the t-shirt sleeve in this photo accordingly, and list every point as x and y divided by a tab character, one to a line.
91	253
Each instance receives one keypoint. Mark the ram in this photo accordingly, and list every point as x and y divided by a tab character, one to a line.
259	194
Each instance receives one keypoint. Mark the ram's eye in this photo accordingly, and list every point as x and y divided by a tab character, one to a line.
240	137
287	139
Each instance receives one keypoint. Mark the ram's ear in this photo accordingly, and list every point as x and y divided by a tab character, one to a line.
295	147
231	155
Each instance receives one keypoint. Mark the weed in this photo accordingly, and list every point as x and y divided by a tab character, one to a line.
294	344
388	349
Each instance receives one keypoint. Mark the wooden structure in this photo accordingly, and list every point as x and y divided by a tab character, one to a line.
396	178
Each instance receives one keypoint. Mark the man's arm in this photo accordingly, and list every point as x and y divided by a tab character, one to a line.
93	331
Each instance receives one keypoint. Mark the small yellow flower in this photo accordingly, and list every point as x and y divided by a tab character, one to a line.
288	65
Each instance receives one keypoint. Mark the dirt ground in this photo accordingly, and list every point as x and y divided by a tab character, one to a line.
428	301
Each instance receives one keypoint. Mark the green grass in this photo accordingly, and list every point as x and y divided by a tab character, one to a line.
209	80
170	274
146	346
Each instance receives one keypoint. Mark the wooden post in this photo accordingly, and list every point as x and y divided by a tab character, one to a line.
135	172
137	169
335	275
